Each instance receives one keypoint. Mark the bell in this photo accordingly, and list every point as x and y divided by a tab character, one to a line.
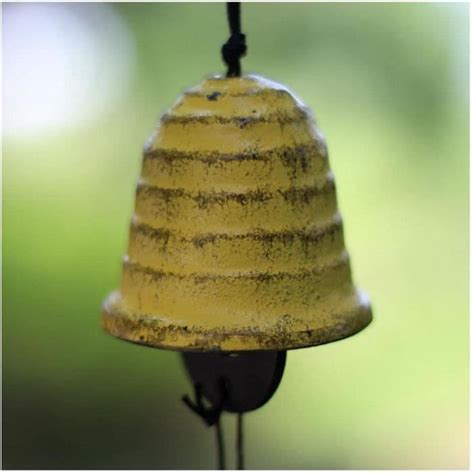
236	243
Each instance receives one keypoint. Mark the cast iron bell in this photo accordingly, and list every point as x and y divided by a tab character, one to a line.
236	243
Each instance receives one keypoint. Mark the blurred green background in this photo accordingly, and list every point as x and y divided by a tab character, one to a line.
83	87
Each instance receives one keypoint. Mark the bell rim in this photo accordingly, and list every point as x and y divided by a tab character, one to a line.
118	323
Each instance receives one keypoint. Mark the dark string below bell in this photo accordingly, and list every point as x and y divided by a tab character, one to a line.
240	441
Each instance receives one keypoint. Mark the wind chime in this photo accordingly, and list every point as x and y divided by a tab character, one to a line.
236	250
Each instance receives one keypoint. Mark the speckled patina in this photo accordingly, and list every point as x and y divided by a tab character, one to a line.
236	243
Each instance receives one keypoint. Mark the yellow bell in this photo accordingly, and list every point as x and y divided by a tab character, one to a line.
236	243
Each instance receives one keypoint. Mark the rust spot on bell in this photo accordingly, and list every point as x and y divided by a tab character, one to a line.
236	242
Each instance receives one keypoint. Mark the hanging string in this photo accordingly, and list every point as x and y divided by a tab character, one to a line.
235	47
220	446
240	441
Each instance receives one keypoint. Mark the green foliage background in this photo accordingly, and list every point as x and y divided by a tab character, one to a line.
389	86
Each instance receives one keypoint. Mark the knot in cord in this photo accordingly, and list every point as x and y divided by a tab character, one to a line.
232	51
235	47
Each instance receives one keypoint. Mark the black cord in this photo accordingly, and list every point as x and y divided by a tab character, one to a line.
235	46
240	441
220	446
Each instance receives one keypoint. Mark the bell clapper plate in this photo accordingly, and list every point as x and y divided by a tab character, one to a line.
241	382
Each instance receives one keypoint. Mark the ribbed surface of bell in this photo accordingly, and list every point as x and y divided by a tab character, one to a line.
236	242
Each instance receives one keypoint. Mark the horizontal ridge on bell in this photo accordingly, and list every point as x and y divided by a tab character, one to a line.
208	197
235	139
274	170
167	249
236	242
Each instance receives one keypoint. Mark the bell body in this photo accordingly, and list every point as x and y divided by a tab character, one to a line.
236	242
